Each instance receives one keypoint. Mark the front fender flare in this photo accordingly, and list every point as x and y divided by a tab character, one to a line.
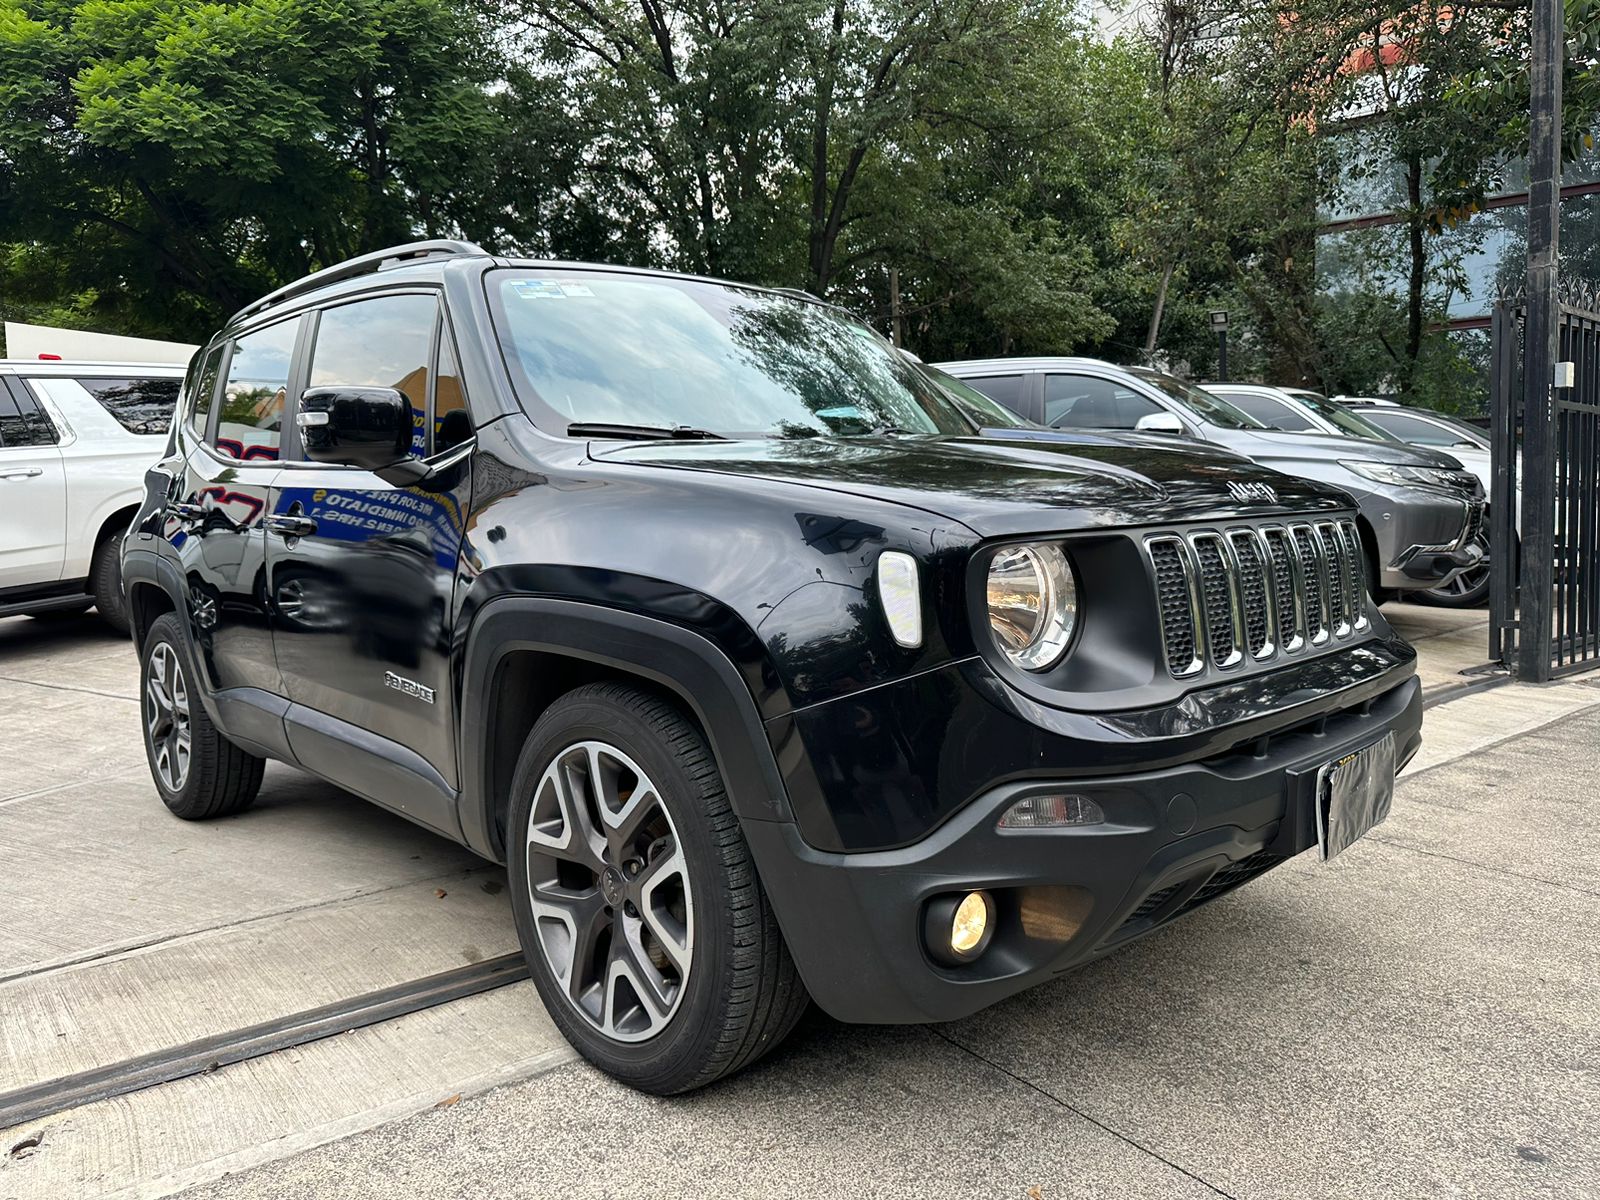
683	662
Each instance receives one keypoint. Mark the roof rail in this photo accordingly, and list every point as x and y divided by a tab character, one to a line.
362	265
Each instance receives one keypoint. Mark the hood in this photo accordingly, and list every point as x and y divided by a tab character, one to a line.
1008	481
1267	445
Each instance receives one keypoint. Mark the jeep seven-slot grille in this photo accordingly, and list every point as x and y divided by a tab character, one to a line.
1283	593
1218	597
1252	590
1311	581
1245	593
1172	590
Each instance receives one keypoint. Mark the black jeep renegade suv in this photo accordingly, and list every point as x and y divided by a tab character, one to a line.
772	665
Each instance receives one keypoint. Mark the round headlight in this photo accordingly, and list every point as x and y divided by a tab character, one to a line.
1033	604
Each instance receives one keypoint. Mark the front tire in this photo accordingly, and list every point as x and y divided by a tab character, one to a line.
644	925
1467	590
199	773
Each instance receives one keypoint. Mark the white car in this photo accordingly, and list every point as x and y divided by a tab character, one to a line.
75	441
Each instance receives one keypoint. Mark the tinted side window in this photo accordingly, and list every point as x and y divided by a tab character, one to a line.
251	425
382	342
452	424
22	421
1267	410
205	391
139	405
1087	402
1002	389
1410	429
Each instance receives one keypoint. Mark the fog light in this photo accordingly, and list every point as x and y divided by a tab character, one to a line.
970	928
959	927
1051	812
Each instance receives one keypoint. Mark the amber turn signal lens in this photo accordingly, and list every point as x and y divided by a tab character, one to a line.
1051	812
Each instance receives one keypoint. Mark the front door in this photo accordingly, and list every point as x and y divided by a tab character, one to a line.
33	491
362	572
217	519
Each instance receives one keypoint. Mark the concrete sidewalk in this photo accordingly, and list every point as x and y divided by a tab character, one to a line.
1418	1018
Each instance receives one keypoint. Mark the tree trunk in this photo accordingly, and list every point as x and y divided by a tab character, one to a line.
1155	317
1419	264
820	252
897	327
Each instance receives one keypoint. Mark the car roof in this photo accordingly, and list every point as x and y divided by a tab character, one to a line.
56	366
426	261
1233	386
1026	364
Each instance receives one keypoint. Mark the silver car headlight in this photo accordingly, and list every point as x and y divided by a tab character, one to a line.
1405	476
1033	604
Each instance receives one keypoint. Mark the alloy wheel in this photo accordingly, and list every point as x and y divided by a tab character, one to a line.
610	891
1465	585
166	716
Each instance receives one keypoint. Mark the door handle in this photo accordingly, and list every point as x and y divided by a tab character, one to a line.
22	473
291	527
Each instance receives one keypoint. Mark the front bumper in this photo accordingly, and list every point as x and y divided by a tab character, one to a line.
1425	537
1174	837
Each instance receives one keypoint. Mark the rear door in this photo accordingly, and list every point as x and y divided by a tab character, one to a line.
362	572
1074	401
217	517
33	492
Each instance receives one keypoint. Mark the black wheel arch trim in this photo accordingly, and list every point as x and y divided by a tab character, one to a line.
685	664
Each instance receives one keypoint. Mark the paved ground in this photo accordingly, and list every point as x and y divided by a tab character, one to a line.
1420	1018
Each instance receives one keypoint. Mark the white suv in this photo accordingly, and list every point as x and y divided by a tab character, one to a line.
75	441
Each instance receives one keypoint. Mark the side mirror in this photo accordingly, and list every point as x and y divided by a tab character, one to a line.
1160	422
366	427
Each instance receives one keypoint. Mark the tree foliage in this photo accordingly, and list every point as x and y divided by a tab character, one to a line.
974	176
162	163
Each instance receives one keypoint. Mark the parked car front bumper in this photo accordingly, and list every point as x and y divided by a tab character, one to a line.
1425	538
1174	836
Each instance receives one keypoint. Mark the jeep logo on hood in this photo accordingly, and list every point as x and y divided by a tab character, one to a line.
1252	491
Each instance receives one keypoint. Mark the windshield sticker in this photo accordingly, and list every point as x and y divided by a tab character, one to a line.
537	289
576	289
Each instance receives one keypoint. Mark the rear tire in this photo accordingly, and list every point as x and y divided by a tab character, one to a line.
199	773
105	581
617	803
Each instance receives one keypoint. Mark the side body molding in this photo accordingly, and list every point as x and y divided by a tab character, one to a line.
680	661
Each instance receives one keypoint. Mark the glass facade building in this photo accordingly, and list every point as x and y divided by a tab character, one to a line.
1362	247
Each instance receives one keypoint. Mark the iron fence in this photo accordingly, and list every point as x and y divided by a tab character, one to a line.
1544	597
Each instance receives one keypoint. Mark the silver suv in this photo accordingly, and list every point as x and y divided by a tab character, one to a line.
1421	512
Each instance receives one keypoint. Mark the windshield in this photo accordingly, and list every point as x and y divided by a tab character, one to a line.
593	347
1344	419
987	413
1202	404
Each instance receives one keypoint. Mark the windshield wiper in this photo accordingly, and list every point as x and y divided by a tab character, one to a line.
888	429
600	429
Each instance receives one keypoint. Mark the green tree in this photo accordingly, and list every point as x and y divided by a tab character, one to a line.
167	161
827	143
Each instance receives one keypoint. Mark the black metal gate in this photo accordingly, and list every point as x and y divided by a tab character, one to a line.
1544	596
